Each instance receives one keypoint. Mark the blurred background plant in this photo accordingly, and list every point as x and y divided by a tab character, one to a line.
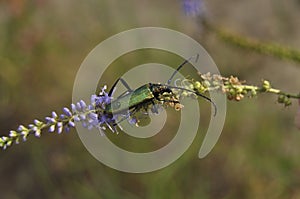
42	45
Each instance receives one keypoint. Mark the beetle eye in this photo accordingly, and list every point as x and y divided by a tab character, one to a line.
116	105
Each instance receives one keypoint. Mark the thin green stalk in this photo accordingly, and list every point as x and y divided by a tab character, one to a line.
272	49
236	89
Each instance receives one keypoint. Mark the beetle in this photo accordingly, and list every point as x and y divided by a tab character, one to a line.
146	97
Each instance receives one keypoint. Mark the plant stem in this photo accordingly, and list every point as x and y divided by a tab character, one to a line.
272	49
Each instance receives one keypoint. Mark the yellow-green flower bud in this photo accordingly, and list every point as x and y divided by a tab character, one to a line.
266	85
239	89
197	85
232	91
215	83
253	93
288	102
281	98
184	94
206	83
191	87
244	92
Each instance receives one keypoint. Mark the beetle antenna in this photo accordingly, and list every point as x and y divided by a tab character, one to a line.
198	94
181	65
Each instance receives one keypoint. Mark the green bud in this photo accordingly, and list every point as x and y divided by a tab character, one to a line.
201	89
9	142
184	94
287	103
22	128
253	92
266	85
239	89
206	83
197	85
232	91
281	99
13	134
215	83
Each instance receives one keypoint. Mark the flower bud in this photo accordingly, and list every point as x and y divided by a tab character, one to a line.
197	85
206	83
287	102
253	93
191	87
281	98
239	97
178	107
244	92
232	91
239	89
266	85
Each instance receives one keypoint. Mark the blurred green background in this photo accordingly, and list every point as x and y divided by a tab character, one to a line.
42	44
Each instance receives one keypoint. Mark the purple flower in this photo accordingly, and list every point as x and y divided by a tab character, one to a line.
50	120
22	128
93	116
82	116
54	115
78	107
84	124
73	107
133	121
94	99
103	100
59	127
67	129
71	124
52	128
37	133
193	7
76	118
82	104
103	118
67	112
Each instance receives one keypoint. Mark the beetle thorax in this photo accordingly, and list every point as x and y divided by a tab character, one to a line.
163	92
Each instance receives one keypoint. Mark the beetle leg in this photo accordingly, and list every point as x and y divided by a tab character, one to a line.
115	84
125	117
